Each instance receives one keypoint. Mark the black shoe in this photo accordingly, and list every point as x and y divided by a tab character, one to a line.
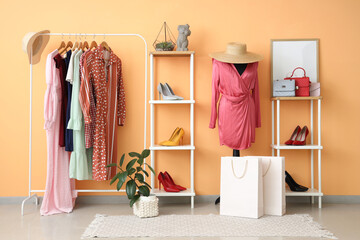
293	185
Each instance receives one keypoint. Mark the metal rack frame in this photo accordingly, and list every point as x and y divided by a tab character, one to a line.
30	117
312	192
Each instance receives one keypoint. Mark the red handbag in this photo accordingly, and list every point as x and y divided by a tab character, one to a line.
302	84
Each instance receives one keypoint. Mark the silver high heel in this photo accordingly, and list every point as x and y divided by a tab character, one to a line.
165	93
171	91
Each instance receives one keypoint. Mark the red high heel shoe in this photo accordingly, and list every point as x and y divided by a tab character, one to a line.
301	137
293	136
169	178
168	187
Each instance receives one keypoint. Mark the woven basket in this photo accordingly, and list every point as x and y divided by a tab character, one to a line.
146	207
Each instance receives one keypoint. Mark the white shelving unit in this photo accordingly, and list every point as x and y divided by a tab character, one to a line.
189	192
312	192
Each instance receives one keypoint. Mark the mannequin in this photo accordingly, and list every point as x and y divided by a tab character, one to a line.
240	67
239	105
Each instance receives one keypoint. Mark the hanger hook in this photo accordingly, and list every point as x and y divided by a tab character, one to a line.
94	37
104	36
62	36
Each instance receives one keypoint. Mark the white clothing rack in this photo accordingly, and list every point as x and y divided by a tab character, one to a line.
30	127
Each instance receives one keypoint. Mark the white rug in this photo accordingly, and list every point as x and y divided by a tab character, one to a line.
104	226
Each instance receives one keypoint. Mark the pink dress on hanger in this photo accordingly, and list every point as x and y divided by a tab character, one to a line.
239	106
59	192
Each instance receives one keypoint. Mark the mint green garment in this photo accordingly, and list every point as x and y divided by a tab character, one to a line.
81	158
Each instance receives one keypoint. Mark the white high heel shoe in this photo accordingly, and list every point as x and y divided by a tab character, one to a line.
171	91
166	94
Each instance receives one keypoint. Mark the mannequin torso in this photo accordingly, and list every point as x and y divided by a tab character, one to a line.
240	67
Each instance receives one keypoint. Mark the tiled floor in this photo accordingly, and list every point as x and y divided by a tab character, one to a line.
341	219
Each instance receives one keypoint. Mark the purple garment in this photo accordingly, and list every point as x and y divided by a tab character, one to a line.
60	64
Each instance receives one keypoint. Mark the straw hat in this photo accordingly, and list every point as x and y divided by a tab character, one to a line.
236	53
37	42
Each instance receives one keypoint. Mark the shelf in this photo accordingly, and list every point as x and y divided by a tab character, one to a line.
189	57
182	147
171	53
162	192
309	146
310	192
172	101
295	98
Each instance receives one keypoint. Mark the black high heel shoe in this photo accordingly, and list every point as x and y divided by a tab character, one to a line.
293	185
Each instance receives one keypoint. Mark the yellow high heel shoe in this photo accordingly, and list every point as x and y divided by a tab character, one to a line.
176	138
172	135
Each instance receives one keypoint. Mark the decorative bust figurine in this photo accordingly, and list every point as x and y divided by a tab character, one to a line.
182	42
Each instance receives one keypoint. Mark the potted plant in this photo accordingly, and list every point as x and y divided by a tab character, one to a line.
164	46
137	189
165	40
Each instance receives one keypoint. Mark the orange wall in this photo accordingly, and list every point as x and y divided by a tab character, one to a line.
213	24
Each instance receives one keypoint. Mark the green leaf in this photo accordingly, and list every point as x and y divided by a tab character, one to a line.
119	185
111	165
134	199
130	189
151	169
146	173
130	164
144	190
122	159
139	177
134	154
123	176
145	153
131	171
146	184
138	169
114	178
140	161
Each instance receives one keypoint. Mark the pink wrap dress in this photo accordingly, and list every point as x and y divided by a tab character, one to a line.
59	191
239	107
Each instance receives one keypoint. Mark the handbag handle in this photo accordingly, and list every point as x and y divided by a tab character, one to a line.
295	70
267	168
245	169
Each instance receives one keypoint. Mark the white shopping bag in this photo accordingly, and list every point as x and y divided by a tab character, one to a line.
274	185
241	189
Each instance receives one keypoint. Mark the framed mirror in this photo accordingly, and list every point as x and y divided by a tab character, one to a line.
288	54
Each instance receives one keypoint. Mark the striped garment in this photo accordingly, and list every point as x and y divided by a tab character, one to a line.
101	71
89	127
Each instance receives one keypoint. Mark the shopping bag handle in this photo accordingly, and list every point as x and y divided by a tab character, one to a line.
267	168
232	166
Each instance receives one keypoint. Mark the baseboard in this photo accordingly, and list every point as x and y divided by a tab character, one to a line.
338	199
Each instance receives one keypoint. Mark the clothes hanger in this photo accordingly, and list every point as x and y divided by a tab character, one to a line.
62	44
76	44
81	44
86	45
105	45
68	45
93	44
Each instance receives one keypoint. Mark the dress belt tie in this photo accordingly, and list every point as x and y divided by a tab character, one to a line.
237	99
